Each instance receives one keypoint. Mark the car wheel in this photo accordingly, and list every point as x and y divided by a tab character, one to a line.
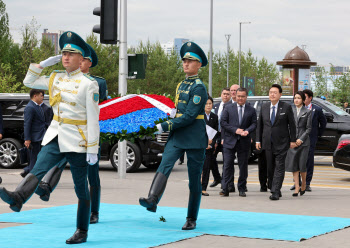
9	153
133	157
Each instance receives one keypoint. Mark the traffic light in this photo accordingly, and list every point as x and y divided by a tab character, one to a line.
137	66
108	13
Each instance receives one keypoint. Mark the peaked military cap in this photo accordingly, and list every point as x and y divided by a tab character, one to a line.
91	54
191	50
71	42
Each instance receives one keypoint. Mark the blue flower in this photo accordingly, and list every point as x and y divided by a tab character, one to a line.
132	121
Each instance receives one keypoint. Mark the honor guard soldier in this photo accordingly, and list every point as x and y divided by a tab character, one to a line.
73	133
51	179
187	134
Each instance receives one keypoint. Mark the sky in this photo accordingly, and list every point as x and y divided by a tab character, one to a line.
277	26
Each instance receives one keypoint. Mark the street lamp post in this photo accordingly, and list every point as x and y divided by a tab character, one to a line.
211	50
122	84
239	64
227	36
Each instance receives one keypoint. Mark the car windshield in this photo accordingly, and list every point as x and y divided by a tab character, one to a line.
336	109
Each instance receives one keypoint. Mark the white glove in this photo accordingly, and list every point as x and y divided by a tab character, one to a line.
160	129
91	158
51	61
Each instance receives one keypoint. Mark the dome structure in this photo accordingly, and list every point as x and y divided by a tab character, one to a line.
296	56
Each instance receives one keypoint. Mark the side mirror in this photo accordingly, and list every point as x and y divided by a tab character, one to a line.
329	117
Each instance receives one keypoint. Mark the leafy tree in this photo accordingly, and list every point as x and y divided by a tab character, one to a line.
321	79
163	72
341	92
265	73
8	82
108	63
29	43
5	36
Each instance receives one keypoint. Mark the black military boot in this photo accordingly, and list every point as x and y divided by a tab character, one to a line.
23	192
190	224
95	195
49	183
192	211
155	193
83	220
80	236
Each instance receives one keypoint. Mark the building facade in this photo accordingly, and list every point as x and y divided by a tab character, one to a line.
174	45
54	37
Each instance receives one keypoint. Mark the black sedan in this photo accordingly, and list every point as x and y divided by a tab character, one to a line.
341	156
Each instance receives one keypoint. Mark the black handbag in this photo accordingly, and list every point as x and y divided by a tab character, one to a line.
23	155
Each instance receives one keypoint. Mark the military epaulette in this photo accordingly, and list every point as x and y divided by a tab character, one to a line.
198	81
99	77
59	71
89	77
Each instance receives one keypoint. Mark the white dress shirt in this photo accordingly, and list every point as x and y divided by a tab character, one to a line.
221	107
298	110
208	116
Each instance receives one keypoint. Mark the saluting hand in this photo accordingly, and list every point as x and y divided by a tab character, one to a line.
51	61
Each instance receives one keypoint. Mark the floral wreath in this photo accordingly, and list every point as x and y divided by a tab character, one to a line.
133	116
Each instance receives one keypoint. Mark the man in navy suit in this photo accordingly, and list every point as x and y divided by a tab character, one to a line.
35	124
218	108
319	123
238	120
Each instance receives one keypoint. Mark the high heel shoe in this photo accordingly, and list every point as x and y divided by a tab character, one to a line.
296	194
302	192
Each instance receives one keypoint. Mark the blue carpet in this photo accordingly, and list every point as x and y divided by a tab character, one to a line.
133	226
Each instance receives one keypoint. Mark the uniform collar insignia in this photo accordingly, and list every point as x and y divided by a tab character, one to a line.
73	73
192	77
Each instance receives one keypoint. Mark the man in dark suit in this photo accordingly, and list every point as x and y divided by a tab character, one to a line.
319	123
238	121
233	93
276	133
35	125
225	97
212	121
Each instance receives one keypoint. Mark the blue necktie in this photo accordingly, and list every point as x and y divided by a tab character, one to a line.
41	111
240	115
273	115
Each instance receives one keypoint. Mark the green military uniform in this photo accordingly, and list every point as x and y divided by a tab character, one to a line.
102	86
187	134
